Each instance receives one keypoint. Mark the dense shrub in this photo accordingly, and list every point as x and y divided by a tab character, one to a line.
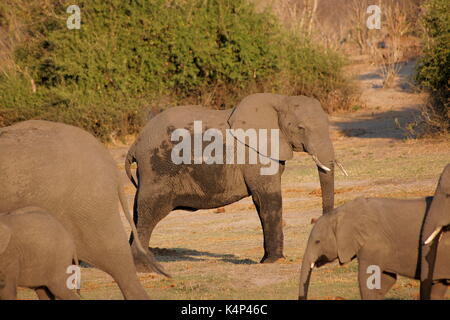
130	55
433	71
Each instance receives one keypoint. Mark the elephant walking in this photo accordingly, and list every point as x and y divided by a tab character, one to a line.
296	123
437	219
384	235
67	172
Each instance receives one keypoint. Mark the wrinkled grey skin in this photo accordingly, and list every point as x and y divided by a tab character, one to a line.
35	252
67	172
380	232
164	186
438	217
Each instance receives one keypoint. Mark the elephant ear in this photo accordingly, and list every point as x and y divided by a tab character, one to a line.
5	237
353	228
262	111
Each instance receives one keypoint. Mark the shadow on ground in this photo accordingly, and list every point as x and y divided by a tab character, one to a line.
183	254
404	81
389	124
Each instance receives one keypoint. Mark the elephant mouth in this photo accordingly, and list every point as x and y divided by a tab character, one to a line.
322	260
303	148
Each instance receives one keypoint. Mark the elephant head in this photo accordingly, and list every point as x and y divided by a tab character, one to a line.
303	127
338	235
437	218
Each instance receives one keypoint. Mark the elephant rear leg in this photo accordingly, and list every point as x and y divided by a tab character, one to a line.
149	211
110	252
59	290
438	290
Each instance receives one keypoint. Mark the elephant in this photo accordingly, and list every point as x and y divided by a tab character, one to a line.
35	252
437	220
296	123
384	235
67	172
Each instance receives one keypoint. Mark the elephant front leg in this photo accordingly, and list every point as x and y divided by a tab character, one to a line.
269	207
374	283
44	294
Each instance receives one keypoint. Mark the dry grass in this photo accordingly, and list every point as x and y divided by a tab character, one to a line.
215	255
389	53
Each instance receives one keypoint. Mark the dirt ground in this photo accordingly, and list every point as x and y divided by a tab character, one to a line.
214	255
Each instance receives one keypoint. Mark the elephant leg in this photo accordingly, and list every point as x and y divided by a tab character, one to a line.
149	211
110	252
9	292
387	281
269	207
366	283
60	291
438	290
44	294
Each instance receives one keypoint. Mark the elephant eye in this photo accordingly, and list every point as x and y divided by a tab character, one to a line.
317	241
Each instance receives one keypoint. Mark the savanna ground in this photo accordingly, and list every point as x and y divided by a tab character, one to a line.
215	255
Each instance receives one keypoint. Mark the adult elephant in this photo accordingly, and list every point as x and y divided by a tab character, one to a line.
296	123
67	172
436	220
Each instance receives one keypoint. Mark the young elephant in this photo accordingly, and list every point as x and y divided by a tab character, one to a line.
384	233
436	220
35	252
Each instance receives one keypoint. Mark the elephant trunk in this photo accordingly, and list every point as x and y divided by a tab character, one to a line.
305	275
323	155
327	186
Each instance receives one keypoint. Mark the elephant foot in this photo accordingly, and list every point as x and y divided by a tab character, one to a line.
273	259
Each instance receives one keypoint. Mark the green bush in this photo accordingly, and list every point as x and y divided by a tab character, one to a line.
433	71
128	53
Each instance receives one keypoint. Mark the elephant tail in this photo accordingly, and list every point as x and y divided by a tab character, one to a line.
145	254
129	160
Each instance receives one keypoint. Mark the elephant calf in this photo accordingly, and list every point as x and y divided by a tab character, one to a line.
35	252
384	235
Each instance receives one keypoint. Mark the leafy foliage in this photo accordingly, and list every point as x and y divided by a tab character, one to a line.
433	71
129	55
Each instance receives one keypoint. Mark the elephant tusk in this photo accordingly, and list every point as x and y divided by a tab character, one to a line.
312	265
433	235
342	168
319	164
